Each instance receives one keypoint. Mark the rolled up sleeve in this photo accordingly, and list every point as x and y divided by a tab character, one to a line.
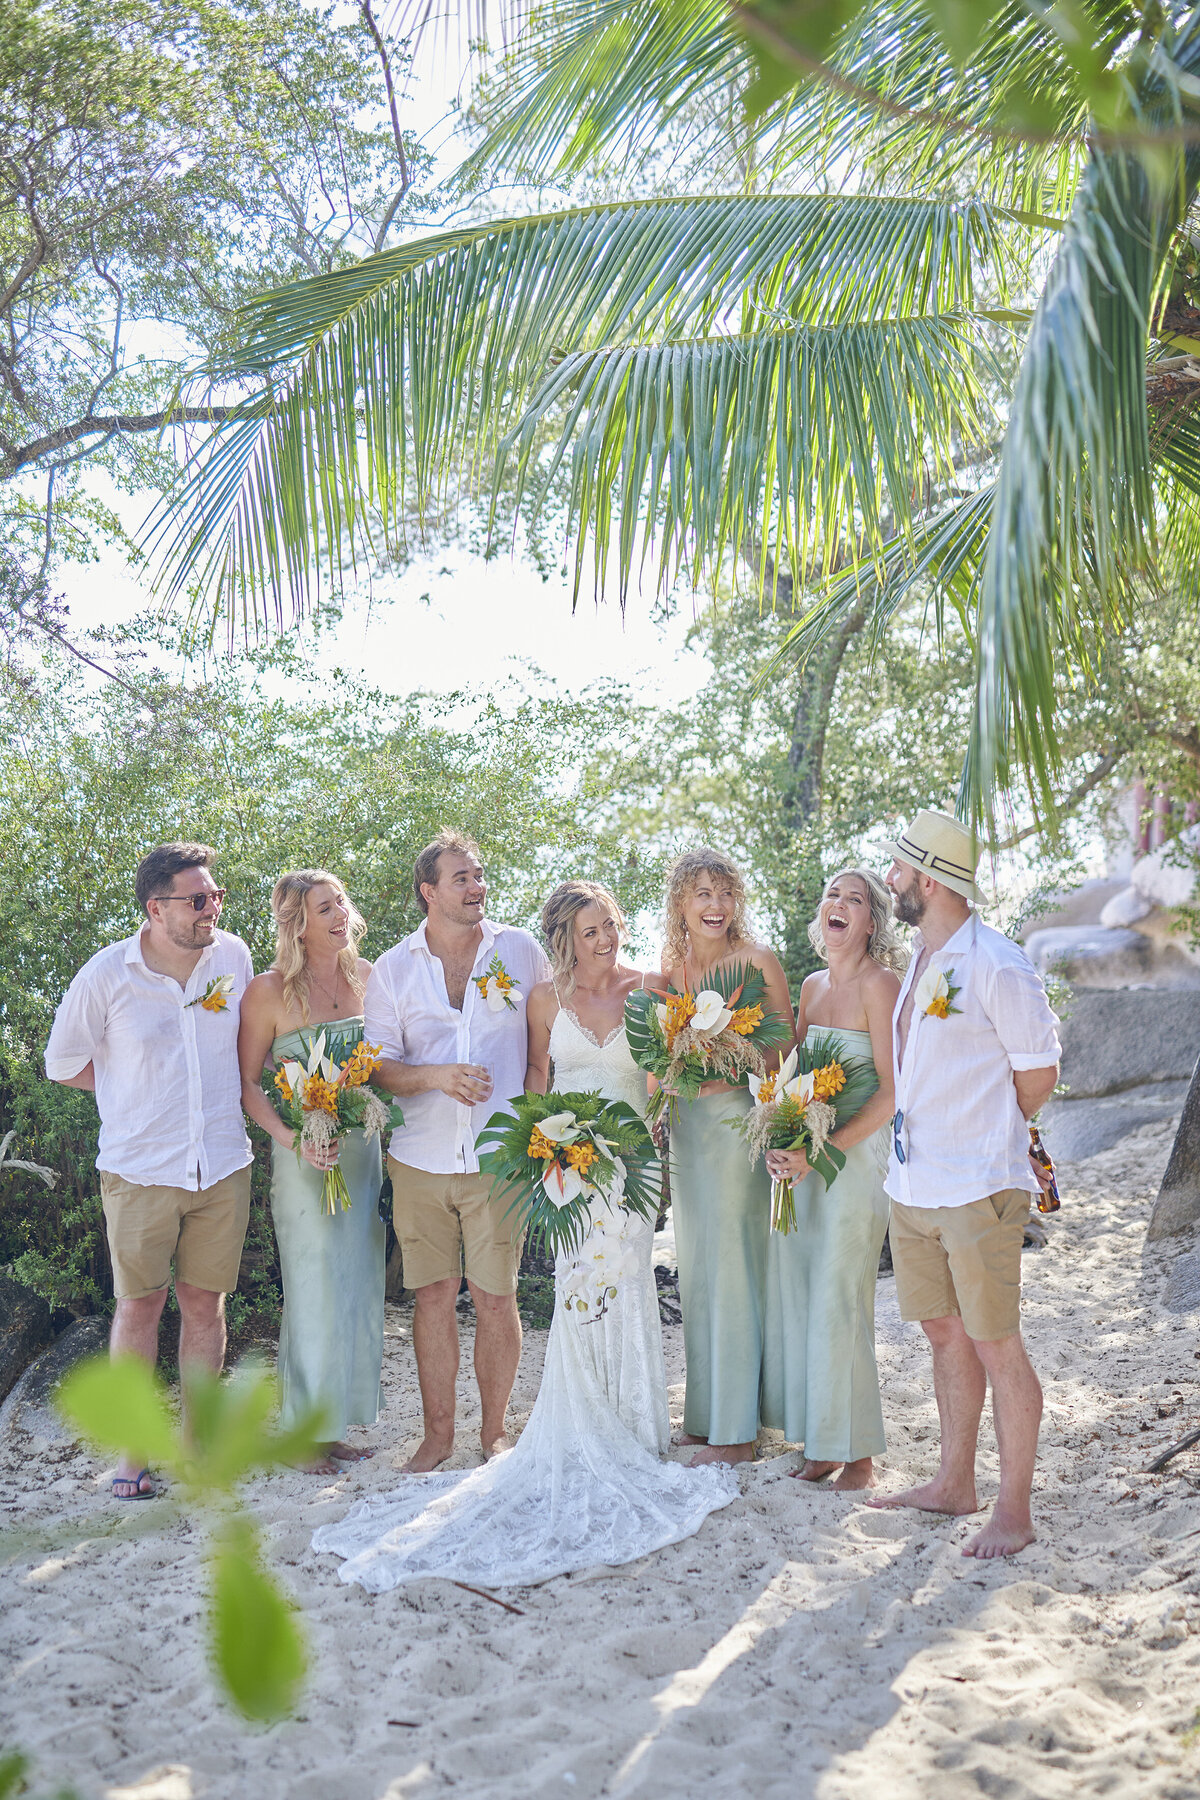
1016	1004
381	1022
77	1031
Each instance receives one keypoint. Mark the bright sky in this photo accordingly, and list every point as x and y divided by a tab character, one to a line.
453	620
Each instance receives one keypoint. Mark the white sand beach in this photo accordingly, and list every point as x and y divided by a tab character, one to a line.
801	1645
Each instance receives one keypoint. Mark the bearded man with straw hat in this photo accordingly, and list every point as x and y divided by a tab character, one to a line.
975	1052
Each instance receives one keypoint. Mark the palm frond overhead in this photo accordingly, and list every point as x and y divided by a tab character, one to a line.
700	442
416	367
1075	494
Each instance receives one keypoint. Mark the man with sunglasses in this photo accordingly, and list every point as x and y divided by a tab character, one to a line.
975	1052
150	1026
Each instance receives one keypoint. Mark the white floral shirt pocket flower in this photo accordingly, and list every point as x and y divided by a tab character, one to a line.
497	987
935	993
217	994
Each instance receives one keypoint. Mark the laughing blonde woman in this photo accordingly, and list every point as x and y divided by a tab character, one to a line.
720	1203
820	1386
331	1334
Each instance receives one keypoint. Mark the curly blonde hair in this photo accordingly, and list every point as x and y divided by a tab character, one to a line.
682	877
289	904
883	945
558	925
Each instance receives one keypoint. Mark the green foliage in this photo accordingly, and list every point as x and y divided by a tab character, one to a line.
13	1771
682	1073
255	1644
612	1129
336	776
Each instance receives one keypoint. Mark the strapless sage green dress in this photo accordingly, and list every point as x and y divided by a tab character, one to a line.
331	1334
722	1211
820	1383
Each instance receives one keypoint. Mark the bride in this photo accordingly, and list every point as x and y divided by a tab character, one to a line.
584	1483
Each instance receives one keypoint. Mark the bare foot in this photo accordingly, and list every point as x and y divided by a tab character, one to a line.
936	1496
493	1446
430	1454
1001	1536
320	1465
854	1477
813	1471
722	1453
685	1438
350	1452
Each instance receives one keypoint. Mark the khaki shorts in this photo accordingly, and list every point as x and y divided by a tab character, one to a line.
202	1230
963	1260
443	1221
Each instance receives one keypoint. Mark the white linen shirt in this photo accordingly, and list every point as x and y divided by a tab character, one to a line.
964	1135
168	1086
408	1014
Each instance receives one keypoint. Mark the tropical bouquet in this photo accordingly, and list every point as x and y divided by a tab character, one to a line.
815	1089
577	1170
328	1096
719	1033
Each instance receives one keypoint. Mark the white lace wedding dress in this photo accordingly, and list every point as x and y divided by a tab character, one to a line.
584	1483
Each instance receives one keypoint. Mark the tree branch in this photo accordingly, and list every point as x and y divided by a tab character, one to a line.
111	423
405	177
1076	797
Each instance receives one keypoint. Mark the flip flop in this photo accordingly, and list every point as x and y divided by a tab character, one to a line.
137	1494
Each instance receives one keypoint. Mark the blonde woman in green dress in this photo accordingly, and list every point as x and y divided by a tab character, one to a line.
721	1205
331	1333
820	1384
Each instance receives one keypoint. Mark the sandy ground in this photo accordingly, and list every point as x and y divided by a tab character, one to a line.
799	1646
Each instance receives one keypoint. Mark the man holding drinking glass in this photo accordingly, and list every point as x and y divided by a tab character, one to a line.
447	1008
150	1026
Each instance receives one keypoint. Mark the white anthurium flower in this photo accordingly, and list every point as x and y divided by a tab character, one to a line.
294	1074
316	1054
932	986
801	1088
493	993
563	1185
660	1013
711	1014
560	1128
224	985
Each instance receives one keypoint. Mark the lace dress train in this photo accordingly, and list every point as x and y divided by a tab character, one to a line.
584	1484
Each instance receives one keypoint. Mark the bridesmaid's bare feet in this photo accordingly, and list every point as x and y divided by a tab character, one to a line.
813	1471
685	1438
321	1464
854	1477
350	1453
722	1453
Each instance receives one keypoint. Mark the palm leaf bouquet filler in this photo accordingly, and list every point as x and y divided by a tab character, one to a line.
816	1089
328	1096
721	1032
576	1169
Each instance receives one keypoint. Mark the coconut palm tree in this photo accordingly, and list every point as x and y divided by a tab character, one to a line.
800	375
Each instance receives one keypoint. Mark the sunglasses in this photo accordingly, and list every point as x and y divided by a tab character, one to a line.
198	902
897	1128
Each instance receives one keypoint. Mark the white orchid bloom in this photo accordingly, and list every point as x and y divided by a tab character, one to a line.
711	1014
560	1128
932	987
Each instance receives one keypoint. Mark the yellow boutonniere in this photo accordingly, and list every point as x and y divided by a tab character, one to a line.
936	993
215	997
497	986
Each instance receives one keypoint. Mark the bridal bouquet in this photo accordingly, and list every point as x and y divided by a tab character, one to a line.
719	1033
329	1097
575	1167
815	1089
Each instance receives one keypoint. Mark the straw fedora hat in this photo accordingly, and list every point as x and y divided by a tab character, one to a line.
943	847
